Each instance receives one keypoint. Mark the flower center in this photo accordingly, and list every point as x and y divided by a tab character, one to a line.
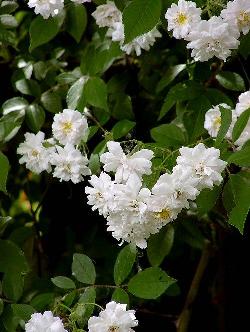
66	127
199	169
181	18
113	329
34	153
243	19
164	214
217	121
67	168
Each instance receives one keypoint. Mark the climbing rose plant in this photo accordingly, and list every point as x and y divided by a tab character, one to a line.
139	110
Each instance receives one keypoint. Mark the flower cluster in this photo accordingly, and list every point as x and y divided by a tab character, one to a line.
217	36
60	153
48	8
113	318
109	16
133	211
213	119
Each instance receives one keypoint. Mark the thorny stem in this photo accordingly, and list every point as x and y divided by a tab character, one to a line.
184	318
90	116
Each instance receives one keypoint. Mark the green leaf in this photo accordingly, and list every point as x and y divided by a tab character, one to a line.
168	135
83	269
15	258
180	92
139	17
123	107
4	222
88	296
98	60
120	296
42	301
226	119
23	311
169	76
76	20
75	92
240	187
241	157
159	245
63	282
7	37
51	102
240	124
14	104
35	117
124	263
207	199
28	87
8	21
8	7
43	30
122	128
13	284
4	169
95	92
10	124
244	49
150	283
231	81
9	320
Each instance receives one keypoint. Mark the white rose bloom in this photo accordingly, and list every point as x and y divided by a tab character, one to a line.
179	186
115	318
106	15
182	17
69	164
34	154
214	37
44	323
102	193
69	127
243	103
125	165
237	13
143	42
205	164
46	8
213	121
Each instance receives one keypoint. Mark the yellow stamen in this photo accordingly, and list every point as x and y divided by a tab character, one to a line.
181	18
243	19
164	214
217	121
67	127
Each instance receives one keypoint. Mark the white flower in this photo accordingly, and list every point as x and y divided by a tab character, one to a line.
213	120
205	164
237	13
125	165
179	186
115	318
44	323
69	164
143	42
214	37
182	17
46	7
243	103
34	154
106	15
70	127
101	194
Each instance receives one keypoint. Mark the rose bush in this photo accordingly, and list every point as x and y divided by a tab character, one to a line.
124	164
